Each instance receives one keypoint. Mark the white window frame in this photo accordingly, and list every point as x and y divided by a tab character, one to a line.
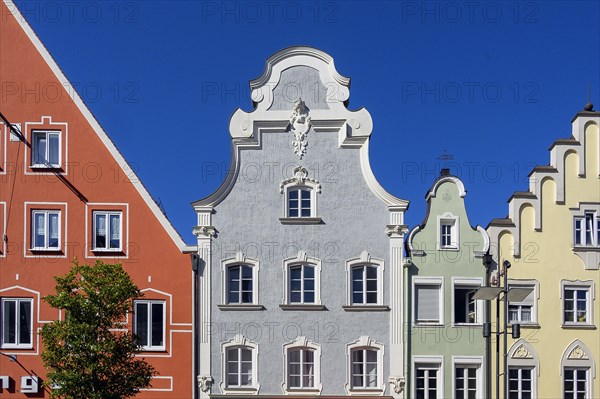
300	180
47	133
421	280
240	260
578	356
365	342
589	287
16	345
301	259
365	260
149	303
581	215
107	215
467	282
520	379
46	213
240	341
431	362
302	343
469	362
587	381
522	355
530	284
454	221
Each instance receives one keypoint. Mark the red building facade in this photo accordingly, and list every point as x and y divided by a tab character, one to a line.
66	192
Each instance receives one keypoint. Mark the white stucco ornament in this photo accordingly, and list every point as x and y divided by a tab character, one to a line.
299	126
205	382
397	384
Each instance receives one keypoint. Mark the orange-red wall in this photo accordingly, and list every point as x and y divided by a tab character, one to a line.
28	94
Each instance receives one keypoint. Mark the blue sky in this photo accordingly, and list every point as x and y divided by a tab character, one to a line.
493	82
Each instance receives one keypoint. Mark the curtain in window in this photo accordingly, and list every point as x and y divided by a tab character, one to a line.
53	229
39	230
101	225
115	231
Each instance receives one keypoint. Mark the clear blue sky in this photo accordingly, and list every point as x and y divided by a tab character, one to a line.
493	82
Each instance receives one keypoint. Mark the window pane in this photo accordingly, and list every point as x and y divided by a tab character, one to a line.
371	297
157	324
54	226
246	272
39	230
309	272
293	194
39	149
305	212
115	231
9	316
141	323
24	322
53	149
100	233
309	297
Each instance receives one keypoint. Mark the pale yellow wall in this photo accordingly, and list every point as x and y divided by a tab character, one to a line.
547	256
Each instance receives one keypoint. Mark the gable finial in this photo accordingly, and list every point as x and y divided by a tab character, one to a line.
446	157
589	106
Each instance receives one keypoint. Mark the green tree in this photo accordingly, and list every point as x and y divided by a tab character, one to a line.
90	354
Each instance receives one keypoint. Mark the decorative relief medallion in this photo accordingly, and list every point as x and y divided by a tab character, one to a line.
522	353
300	178
205	382
447	196
397	384
577	353
299	126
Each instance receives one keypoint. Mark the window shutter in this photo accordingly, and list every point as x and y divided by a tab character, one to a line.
428	302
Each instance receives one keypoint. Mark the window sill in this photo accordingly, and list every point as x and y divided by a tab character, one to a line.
467	325
46	167
153	350
455	249
365	390
240	306
592	248
301	306
429	324
526	324
366	308
301	220
301	391
579	326
49	250
16	348
241	390
108	252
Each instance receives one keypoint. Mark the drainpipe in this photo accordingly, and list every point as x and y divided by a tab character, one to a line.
407	327
195	263
487	263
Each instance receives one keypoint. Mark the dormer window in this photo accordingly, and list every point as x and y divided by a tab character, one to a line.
300	198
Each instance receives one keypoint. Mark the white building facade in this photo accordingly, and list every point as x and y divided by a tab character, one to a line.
301	250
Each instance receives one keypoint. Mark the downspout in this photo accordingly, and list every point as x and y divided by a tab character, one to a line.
195	265
487	263
406	327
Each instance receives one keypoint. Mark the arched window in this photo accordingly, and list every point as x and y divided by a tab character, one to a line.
523	370
302	366
365	366
365	283
578	370
302	283
300	198
240	365
240	283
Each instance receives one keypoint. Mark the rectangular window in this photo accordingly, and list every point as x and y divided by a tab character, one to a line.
45	230
239	367
576	301
301	368
364	285
239	284
364	368
446	234
17	321
46	149
575	383
520	383
586	230
299	203
522	312
426	381
465	306
302	284
107	231
427	305
465	383
149	324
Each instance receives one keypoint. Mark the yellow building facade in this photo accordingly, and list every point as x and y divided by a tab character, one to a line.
551	237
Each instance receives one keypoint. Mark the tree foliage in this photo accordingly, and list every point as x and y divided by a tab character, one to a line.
90	354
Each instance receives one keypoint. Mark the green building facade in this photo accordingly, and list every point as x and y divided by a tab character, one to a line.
446	351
